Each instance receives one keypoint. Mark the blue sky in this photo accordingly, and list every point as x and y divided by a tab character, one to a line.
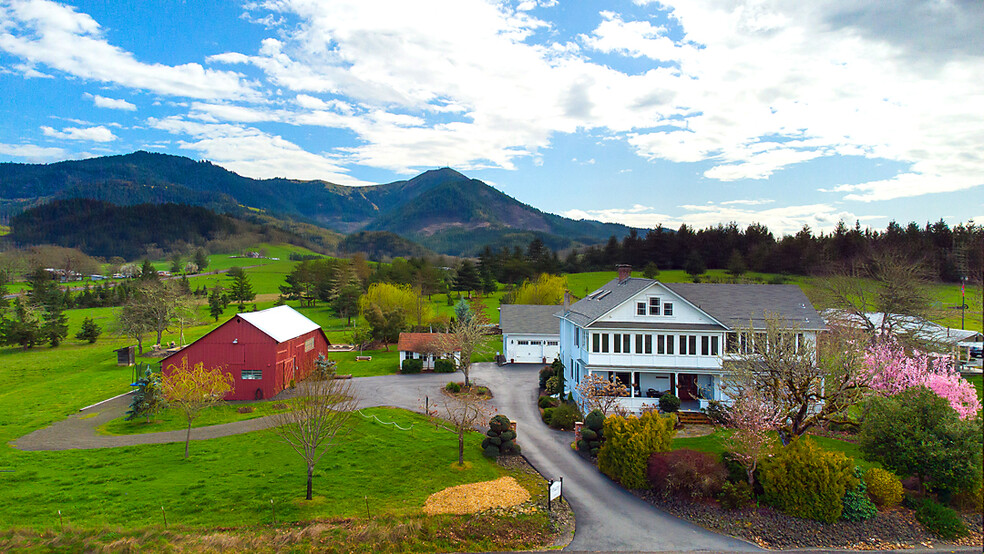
640	112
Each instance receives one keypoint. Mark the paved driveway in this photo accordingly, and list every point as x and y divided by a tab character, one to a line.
608	518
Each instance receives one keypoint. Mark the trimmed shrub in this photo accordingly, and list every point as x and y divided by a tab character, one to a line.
443	366
546	373
629	441
500	438
547	415
412	366
940	520
669	403
592	433
564	416
735	496
553	385
686	473
453	387
857	506
804	480
884	487
546	402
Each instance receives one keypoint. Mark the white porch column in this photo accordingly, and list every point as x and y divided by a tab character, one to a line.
632	381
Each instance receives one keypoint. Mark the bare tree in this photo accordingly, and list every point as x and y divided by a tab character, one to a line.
467	337
781	365
130	321
598	393
318	419
461	413
887	295
192	389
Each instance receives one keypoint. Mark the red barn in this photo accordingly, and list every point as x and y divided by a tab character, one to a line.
262	350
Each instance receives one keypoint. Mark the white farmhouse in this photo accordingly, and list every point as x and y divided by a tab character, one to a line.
530	334
657	337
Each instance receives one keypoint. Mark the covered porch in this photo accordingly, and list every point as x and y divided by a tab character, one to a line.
694	389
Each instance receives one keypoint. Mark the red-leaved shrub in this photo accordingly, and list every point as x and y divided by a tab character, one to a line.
686	473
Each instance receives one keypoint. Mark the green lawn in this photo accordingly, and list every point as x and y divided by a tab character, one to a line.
978	382
230	481
173	420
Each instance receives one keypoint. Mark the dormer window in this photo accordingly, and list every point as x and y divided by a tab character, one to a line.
654	305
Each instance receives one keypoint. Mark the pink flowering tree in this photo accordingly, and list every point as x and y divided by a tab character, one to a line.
893	371
754	422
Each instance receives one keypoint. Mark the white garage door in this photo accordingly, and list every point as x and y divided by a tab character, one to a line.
530	350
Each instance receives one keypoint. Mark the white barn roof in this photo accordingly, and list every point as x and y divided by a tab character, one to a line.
282	323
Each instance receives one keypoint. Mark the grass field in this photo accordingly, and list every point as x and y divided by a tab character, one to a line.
172	420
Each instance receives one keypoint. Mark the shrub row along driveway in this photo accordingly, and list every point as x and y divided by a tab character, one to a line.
608	518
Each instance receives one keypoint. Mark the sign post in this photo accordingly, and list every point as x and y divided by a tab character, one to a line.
555	490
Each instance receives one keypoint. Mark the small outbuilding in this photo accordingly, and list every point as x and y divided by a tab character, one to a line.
264	351
421	346
530	333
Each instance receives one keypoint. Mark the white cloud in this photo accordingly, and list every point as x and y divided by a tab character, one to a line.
44	32
95	134
251	152
33	153
111	103
781	220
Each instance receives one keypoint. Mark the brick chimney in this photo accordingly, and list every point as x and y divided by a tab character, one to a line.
624	272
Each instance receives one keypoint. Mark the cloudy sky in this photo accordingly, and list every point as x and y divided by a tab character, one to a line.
642	112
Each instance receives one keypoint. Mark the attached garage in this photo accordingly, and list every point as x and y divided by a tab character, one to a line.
263	351
530	333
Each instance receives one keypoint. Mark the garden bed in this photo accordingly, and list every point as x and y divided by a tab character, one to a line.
768	528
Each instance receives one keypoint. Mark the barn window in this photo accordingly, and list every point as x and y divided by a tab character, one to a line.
250	374
309	344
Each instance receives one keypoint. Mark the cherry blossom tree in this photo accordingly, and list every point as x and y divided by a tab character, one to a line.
893	371
753	420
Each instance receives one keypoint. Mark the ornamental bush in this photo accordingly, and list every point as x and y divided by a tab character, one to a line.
592	433
553	385
547	415
443	366
806	481
412	366
629	441
546	373
884	488
546	402
564	416
686	473
669	403
453	387
857	506
735	496
500	438
941	521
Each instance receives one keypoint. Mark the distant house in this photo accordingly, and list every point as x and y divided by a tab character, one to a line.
672	337
421	346
955	341
530	333
263	351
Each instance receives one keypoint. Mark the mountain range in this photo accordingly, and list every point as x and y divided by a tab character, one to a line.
442	210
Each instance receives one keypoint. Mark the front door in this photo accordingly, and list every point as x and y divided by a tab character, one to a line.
686	386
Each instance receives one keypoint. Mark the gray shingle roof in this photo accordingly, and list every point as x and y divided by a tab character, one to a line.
733	305
529	319
739	305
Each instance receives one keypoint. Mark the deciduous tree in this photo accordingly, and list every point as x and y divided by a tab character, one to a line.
595	392
192	389
753	421
461	412
467	338
318	419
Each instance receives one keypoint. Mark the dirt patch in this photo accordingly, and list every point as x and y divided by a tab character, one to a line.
476	497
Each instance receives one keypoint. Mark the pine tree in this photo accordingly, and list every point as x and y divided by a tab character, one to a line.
216	302
89	331
468	278
201	259
55	326
241	290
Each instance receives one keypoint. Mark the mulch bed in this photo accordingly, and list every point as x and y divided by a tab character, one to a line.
894	529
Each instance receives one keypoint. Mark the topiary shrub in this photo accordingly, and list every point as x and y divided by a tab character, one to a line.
546	402
547	415
940	520
806	481
412	366
500	438
628	443
857	506
669	403
735	496
553	385
884	488
546	373
443	366
592	433
564	416
686	473
453	387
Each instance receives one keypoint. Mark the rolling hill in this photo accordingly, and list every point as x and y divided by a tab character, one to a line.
441	209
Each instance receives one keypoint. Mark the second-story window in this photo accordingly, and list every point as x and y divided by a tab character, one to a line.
654	305
595	342
640	308
705	346
638	346
604	343
649	344
668	308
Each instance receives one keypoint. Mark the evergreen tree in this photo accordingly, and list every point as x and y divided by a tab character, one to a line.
346	303
468	278
147	271
42	290
148	399
201	259
216	302
89	331
241	290
650	271
695	265
55	326
736	264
